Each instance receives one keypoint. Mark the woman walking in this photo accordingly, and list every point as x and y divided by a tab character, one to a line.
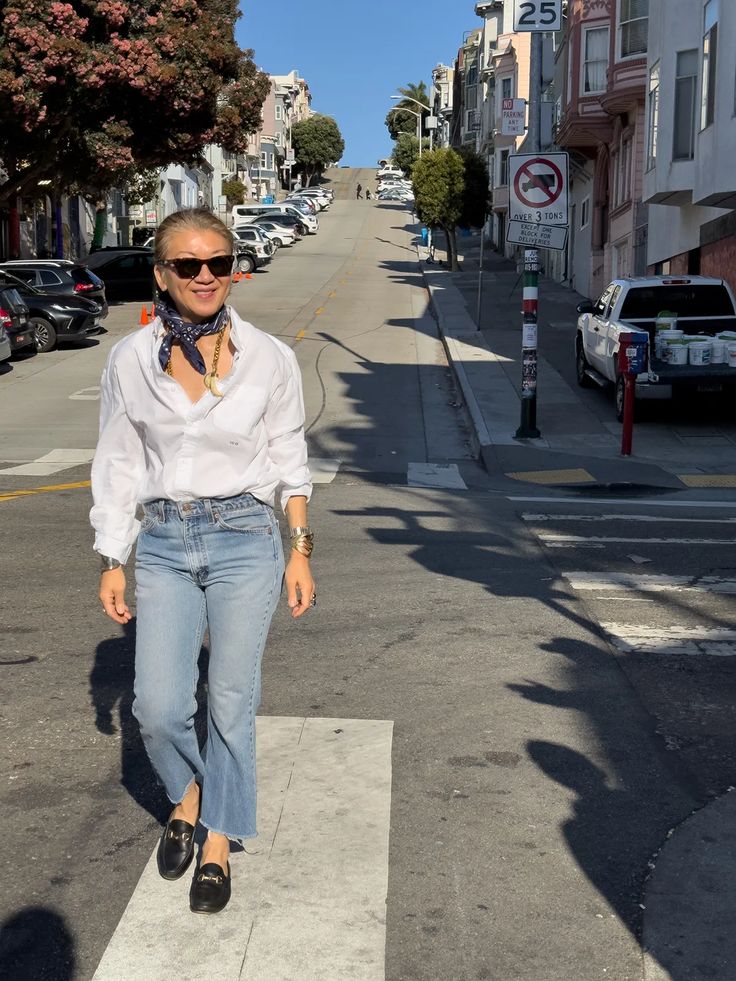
201	425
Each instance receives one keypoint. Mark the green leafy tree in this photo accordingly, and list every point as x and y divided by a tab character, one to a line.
142	187
317	142
93	91
406	152
439	187
477	194
399	122
235	191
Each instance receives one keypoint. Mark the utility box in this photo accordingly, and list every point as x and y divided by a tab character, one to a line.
632	352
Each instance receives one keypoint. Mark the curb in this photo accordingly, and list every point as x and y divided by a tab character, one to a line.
689	928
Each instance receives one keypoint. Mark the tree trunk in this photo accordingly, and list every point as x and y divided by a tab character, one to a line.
100	226
14	228
451	237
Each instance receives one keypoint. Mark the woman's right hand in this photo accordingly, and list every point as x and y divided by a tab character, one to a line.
112	595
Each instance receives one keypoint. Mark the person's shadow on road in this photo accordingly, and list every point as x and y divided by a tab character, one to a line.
35	943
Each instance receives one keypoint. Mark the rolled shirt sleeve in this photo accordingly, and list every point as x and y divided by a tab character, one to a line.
117	469
287	446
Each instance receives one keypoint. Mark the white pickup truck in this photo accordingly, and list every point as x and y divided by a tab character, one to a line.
703	306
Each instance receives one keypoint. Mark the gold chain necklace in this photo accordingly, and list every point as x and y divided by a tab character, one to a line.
210	378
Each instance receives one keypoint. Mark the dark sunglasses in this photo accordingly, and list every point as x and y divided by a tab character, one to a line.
219	265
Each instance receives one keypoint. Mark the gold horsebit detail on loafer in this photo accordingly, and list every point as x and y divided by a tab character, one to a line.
206	877
178	835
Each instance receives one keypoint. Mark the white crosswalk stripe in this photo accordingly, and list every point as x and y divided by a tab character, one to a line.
635	638
631	582
597	541
309	894
53	462
532	518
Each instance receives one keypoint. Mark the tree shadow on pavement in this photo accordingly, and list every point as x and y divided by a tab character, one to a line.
111	693
36	945
629	790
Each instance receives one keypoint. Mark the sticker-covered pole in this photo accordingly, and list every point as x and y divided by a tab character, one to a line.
528	422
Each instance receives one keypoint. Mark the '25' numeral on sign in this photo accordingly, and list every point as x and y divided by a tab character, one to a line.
538	15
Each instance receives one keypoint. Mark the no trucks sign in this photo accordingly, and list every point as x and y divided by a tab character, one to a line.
538	188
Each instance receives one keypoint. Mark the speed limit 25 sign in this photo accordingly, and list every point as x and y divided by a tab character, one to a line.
537	15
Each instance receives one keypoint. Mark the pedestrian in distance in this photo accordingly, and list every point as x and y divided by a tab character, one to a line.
359	192
368	194
201	427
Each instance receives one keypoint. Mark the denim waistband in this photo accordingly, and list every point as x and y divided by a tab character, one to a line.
201	507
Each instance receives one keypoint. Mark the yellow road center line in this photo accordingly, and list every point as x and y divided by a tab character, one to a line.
10	495
301	334
319	311
332	293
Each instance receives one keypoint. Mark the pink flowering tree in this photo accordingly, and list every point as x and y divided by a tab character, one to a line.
94	91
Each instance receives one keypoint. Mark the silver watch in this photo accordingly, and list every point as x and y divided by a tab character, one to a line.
107	563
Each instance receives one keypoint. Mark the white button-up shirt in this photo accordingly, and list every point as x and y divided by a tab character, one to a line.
155	443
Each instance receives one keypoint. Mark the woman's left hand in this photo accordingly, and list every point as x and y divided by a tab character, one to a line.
300	586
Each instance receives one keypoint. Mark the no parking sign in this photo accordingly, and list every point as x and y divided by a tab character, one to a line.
538	186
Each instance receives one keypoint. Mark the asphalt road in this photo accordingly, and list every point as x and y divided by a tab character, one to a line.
554	714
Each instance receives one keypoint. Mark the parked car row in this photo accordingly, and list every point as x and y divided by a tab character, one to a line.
393	186
44	302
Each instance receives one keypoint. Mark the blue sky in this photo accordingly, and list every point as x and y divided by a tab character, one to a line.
354	55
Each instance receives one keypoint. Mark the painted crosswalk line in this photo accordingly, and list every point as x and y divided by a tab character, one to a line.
600	541
652	583
635	638
309	894
53	462
532	518
323	470
440	475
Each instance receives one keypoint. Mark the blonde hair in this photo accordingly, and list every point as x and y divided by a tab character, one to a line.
189	219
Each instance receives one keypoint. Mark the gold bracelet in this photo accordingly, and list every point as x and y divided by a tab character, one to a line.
304	544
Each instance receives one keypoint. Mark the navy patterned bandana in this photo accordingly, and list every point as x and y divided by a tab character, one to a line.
187	335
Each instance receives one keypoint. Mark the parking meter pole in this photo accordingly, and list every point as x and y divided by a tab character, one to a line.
530	310
633	355
627	435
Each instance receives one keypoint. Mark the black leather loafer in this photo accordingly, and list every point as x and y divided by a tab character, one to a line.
210	890
176	849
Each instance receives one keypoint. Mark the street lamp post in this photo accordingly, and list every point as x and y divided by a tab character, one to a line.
419	122
408	98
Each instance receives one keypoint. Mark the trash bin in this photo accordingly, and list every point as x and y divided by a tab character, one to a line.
268	199
425	237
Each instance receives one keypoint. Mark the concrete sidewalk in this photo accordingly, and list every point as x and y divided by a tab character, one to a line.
676	446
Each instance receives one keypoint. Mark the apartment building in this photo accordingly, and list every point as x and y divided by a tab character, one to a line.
602	123
465	123
504	74
442	100
689	180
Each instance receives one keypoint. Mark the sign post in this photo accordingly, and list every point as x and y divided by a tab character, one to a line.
537	198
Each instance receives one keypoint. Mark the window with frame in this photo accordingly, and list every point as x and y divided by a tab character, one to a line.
686	81
279	112
710	57
622	173
585	213
507	88
633	27
264	160
653	116
595	60
504	168
471	76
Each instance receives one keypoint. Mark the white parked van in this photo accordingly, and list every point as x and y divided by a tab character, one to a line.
243	214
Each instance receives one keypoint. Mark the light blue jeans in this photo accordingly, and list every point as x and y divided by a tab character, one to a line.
215	564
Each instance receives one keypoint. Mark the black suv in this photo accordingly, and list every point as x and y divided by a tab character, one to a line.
61	277
14	317
52	318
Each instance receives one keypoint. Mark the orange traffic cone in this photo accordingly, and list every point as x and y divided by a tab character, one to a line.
144	321
249	275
